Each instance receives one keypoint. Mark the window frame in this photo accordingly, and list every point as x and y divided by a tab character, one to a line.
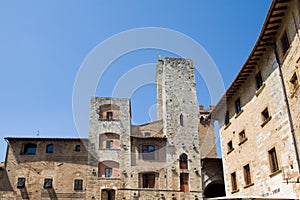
78	183
258	80
50	150
48	183
247	174
273	160
109	115
78	148
242	137
27	147
234	183
109	144
148	154
284	42
108	172
265	118
21	182
230	147
238	106
227	119
146	180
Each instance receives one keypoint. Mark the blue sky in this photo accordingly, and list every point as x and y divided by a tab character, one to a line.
44	43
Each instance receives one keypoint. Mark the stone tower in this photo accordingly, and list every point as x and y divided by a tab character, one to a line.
178	109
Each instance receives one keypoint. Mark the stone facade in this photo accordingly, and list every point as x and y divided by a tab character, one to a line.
258	112
165	159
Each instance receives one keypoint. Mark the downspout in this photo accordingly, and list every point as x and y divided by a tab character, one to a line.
287	106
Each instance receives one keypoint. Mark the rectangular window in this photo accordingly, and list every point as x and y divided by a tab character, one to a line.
265	116
184	182
78	184
285	44
247	174
29	149
47	183
77	148
109	144
294	82
109	115
229	146
148	180
242	136
50	148
238	107
259	81
233	182
21	183
148	152
273	160
226	118
108	172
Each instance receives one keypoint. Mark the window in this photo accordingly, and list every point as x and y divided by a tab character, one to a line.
148	180
229	146
226	118
109	144
147	134
109	115
265	116
181	120
148	152
233	182
247	175
30	149
242	136
285	44
259	81
184	182
21	183
294	82
273	160
108	172
47	183
183	161
50	148
78	184
238	107
77	148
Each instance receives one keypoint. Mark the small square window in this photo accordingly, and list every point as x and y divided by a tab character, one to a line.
108	172
247	175
78	184
229	146
21	183
147	134
238	107
77	148
294	82
259	81
109	144
50	148
29	149
47	183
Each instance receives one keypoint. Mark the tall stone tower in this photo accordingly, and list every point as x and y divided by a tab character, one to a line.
178	109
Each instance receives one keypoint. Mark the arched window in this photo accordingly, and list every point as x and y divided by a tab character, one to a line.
50	148
181	120
183	161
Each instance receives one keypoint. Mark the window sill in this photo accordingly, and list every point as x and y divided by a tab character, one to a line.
259	90
295	91
235	191
275	173
231	150
266	121
249	185
243	141
238	114
227	125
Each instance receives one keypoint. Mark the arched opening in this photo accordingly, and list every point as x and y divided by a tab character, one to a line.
214	190
108	169
183	161
109	112
108	194
109	141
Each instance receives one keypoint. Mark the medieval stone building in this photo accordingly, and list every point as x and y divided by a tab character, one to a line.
172	158
259	114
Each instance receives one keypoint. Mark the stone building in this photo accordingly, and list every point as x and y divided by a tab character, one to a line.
259	113
171	158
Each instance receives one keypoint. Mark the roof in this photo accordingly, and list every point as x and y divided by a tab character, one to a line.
268	32
40	139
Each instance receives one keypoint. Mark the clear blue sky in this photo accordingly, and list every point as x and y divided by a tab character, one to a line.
43	43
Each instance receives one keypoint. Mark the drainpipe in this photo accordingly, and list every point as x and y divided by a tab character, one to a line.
287	106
